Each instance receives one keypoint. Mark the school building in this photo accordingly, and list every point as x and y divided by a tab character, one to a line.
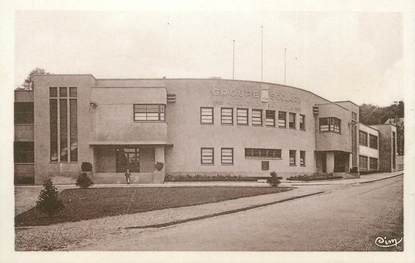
188	127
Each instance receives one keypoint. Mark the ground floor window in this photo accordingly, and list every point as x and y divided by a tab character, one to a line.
262	153
265	165
292	157
207	155
373	163
24	152
302	158
127	157
227	156
363	162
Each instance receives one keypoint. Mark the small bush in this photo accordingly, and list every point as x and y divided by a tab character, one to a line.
48	200
274	181
84	181
159	166
86	167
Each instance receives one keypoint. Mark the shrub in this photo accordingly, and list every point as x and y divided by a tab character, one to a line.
86	167
84	181
159	166
48	200
274	181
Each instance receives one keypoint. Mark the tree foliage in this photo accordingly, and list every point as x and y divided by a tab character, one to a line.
372	114
27	83
48	201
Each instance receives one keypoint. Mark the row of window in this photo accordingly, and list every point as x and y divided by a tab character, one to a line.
363	139
330	124
364	161
207	155
257	117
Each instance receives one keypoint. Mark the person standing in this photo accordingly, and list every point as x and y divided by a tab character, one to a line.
127	175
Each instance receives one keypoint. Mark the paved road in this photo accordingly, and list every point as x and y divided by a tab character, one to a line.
343	219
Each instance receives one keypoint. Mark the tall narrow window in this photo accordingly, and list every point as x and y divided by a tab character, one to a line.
242	116
270	118
373	141
282	119
302	158
207	155
302	122
363	138
291	120
363	162
256	117
63	127
226	116
206	115
292	158
227	156
63	124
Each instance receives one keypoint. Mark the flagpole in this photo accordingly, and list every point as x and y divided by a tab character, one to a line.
285	65
233	59
262	52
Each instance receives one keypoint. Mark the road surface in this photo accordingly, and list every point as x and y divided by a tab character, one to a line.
348	218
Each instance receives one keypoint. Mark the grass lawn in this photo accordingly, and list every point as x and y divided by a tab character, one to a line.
81	204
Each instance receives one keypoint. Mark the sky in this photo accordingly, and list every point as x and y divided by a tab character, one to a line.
338	55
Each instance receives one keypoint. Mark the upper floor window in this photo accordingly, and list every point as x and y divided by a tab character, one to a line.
302	122
292	154
354	116
270	118
282	119
226	116
242	116
206	115
330	124
363	138
291	120
149	112
23	113
256	117
373	141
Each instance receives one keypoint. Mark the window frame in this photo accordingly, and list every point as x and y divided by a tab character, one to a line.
213	116
366	143
276	154
370	142
295	157
256	118
160	106
366	158
26	116
221	156
330	126
285	119
213	155
266	118
376	160
303	157
221	116
247	116
295	120
302	122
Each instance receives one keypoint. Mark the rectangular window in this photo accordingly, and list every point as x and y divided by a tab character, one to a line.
242	116
270	118
373	141
207	155
63	114
265	165
23	113
302	122
226	116
256	117
373	164
53	108
292	157
24	152
354	116
206	115
63	128
330	124
149	112
363	162
302	158
262	153
73	130
291	120
282	119
363	138
227	156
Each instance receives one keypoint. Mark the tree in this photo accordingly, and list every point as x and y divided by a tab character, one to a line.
48	201
27	84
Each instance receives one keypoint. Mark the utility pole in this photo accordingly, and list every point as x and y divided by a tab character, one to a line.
233	59
262	52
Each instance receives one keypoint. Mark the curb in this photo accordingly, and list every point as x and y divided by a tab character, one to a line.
182	221
381	179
